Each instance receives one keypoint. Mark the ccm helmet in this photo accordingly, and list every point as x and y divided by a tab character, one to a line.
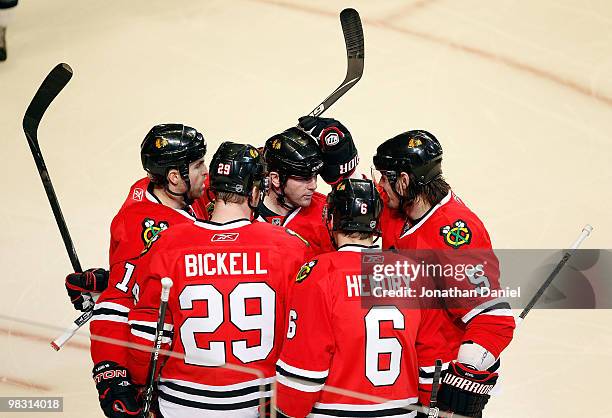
417	152
293	153
355	205
237	168
171	146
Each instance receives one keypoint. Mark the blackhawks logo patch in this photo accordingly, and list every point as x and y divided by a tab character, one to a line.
457	234
305	271
151	231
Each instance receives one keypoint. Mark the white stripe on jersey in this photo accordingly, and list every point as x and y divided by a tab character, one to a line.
214	400
426	217
302	372
480	308
113	306
225	388
150	337
342	410
184	399
298	384
111	318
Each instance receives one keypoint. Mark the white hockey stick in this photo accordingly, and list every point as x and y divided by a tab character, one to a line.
586	231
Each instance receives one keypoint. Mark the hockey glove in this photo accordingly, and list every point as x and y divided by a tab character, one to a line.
464	390
92	280
118	396
340	156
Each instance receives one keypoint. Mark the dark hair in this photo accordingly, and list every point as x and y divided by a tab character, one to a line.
357	235
432	192
228	197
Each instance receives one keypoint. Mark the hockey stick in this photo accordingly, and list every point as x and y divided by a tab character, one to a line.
166	283
52	85
586	231
434	411
353	37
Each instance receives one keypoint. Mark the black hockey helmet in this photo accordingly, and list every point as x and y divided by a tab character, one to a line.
355	205
170	146
237	168
293	153
417	152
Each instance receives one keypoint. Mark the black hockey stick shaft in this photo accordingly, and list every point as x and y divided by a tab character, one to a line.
166	284
586	231
355	52
434	411
53	84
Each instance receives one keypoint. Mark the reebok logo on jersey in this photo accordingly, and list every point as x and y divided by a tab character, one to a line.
138	194
373	259
225	237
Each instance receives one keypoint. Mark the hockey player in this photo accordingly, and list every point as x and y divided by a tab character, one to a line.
410	168
228	300
337	337
5	17
294	160
173	157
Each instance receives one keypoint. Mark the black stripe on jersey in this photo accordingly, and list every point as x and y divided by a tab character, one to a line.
495	366
284	372
150	330
108	311
210	406
425	375
214	393
500	305
380	413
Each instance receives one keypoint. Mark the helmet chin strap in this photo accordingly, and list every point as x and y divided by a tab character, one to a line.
280	195
184	172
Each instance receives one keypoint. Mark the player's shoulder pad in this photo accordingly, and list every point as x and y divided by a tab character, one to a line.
457	226
306	270
280	235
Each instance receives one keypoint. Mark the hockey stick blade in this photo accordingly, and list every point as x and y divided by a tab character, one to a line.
355	53
53	84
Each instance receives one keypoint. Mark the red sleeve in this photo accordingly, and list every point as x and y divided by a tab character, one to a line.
110	315
309	345
143	317
488	320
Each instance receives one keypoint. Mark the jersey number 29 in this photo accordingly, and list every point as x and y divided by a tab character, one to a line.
215	355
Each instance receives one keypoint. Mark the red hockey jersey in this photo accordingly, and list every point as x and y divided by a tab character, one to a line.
338	337
307	222
226	306
448	227
134	231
